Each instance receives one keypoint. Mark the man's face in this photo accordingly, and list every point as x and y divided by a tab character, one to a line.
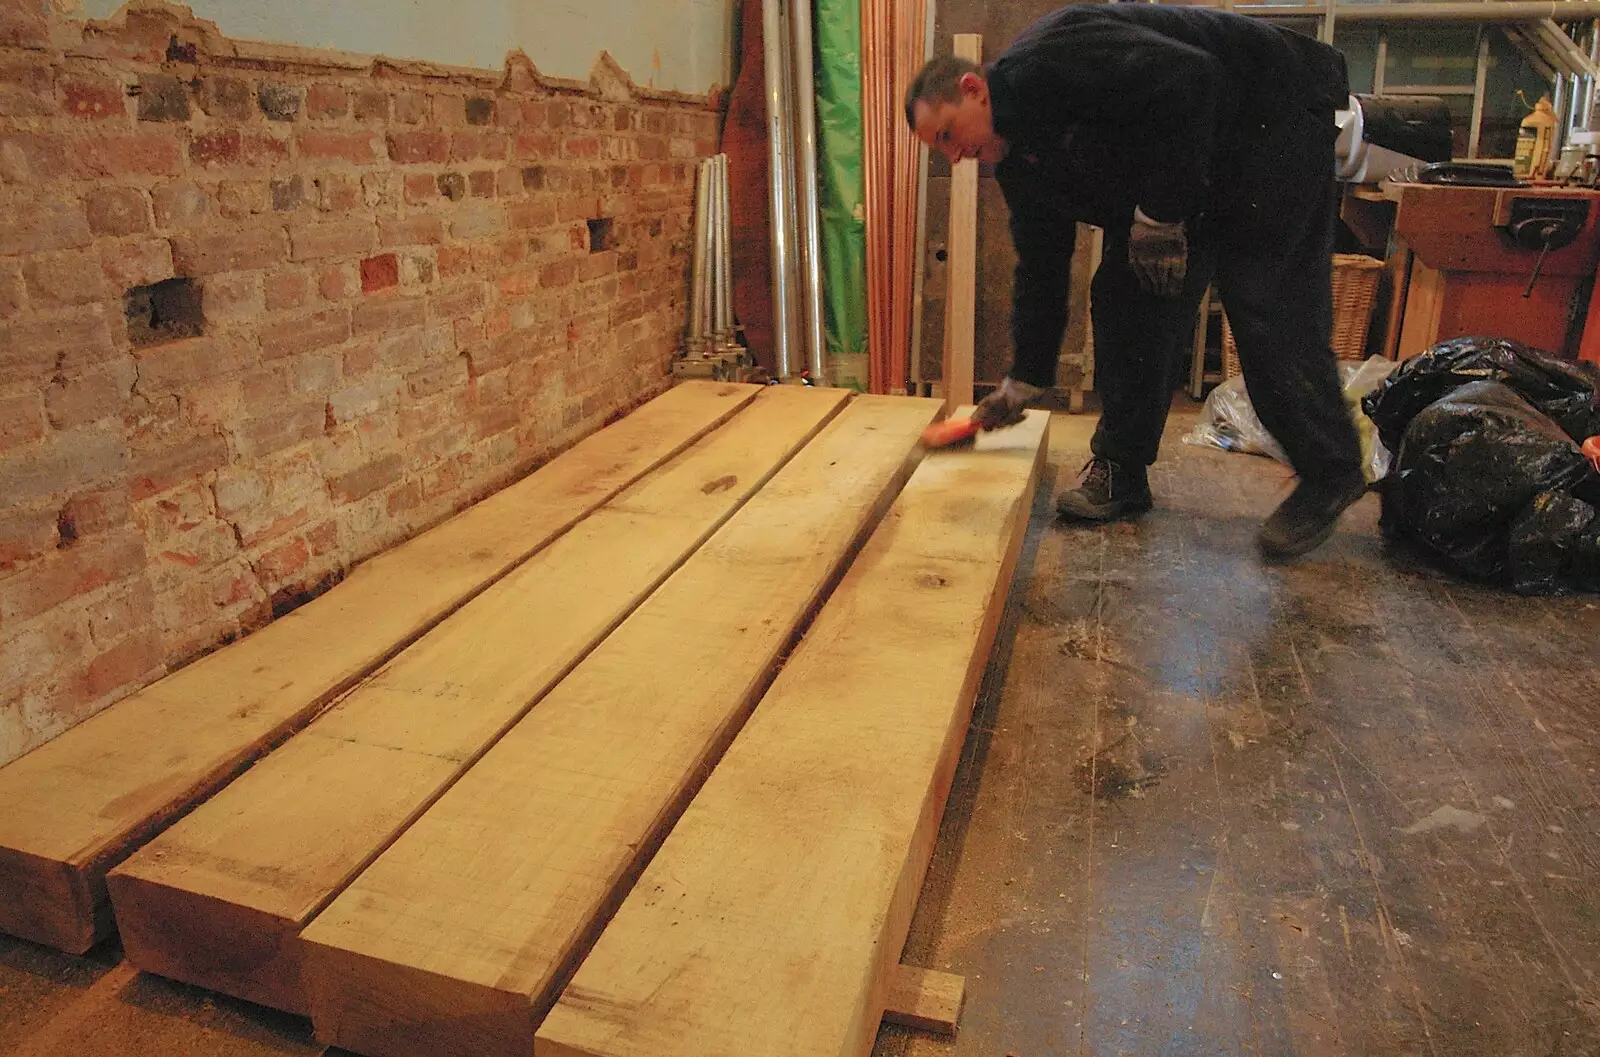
964	128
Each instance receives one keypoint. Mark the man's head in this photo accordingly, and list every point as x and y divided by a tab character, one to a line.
947	106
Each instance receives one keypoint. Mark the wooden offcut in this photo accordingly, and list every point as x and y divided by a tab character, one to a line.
220	898
78	805
456	940
772	918
924	999
961	298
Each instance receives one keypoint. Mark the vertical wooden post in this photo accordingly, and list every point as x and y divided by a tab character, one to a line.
962	247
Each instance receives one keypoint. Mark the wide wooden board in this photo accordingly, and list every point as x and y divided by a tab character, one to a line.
220	898
78	805
457	939
772	918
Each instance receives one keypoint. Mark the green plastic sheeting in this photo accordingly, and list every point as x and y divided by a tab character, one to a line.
841	188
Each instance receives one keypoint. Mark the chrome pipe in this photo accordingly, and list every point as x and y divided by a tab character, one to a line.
779	170
724	316
700	262
806	196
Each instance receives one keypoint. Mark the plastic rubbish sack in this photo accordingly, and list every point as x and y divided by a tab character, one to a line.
1230	423
1496	490
1567	392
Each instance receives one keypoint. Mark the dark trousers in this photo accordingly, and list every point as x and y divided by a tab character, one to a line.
1279	304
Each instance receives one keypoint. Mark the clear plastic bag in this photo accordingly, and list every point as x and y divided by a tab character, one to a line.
1230	422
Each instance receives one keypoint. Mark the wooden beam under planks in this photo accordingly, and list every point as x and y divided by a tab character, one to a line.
772	918
220	898
961	298
453	944
78	805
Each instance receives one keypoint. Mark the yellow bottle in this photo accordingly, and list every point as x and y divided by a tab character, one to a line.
1534	139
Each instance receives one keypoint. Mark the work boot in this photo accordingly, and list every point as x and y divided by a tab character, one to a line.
1107	491
1308	517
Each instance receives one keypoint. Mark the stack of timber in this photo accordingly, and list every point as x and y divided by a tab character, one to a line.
728	645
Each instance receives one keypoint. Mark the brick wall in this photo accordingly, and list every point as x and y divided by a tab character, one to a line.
399	287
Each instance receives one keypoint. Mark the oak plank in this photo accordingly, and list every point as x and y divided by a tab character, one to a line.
458	938
83	802
219	899
772	918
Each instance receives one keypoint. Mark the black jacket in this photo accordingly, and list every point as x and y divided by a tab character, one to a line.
1180	111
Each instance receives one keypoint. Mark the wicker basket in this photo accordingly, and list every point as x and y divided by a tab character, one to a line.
1355	287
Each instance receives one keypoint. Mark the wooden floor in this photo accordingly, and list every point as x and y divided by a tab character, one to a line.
1207	807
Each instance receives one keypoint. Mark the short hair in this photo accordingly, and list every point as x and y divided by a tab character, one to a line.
938	82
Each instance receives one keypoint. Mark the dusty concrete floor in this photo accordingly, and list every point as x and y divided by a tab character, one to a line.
1207	807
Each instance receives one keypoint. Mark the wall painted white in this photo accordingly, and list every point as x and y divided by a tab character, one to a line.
681	45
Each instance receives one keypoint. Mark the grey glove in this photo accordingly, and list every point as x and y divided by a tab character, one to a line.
1158	254
1005	405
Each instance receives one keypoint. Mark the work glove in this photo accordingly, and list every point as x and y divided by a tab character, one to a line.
1005	405
1158	254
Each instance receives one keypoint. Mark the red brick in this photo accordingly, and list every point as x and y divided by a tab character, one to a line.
134	661
326	100
389	313
93	97
304	333
163	468
557	274
281	563
463	301
358	148
413	148
24	24
227	97
35	350
478	220
338	193
287	290
372	104
21	420
365	480
407	497
118	211
421	188
470	146
320	240
230	147
380	273
454	260
421	230
70	278
411	108
27	86
149	152
238	199
95	512
529	215
47	225
240	248
69	573
283	428
13	296
338	283
233	297
180	365
181	205
136	262
90	396
482	183
25	535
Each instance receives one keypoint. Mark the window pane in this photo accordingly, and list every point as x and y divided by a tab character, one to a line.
1359	42
1446	54
1502	110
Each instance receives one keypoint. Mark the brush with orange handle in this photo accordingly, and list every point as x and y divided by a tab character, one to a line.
951	431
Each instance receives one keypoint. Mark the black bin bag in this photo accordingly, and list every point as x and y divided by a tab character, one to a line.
1485	482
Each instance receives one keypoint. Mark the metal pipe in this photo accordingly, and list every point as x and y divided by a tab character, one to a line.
810	230
695	345
1448	11
708	311
778	180
725	254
